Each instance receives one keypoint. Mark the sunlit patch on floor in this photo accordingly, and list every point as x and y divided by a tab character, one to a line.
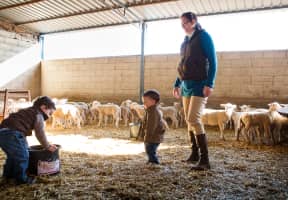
101	146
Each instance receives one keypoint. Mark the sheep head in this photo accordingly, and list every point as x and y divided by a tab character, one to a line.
245	108
274	106
95	103
228	106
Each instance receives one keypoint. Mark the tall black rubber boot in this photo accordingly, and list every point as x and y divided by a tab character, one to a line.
203	163
194	156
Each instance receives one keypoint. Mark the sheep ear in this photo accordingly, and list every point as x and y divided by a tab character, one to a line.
281	104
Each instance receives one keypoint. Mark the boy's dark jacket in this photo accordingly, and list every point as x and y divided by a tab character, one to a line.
152	129
25	120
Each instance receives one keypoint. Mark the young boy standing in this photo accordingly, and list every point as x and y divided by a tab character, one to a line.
152	129
13	132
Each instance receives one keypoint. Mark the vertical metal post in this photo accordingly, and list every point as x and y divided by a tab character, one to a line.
5	109
41	40
142	61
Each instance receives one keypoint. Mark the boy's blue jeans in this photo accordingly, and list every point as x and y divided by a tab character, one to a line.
150	149
15	146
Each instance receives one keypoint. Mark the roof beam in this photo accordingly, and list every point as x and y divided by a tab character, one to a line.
170	18
20	4
127	8
129	5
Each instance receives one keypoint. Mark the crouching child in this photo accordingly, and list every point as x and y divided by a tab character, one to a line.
13	133
152	128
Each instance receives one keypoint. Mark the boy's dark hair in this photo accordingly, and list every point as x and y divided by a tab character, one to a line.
153	94
44	100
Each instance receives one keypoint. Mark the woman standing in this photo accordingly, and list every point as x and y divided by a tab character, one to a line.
195	82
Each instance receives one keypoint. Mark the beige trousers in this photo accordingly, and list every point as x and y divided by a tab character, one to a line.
193	110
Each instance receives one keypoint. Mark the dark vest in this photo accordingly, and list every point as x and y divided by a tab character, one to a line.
22	121
194	64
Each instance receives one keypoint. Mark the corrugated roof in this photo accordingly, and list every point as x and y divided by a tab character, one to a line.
45	16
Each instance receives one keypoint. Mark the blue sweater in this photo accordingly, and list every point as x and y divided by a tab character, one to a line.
195	88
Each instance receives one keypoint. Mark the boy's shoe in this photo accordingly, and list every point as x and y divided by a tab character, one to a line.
29	181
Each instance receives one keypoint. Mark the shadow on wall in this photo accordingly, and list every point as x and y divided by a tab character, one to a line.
22	71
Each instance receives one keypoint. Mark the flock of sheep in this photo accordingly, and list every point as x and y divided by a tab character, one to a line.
247	121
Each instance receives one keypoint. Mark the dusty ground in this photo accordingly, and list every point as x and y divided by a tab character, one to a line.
103	164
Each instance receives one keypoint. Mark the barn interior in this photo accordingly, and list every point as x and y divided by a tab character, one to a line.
83	51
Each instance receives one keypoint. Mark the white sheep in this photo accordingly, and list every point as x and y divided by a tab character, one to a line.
126	103
248	108
171	113
217	117
66	115
106	110
277	119
137	111
257	120
83	110
180	113
236	116
125	114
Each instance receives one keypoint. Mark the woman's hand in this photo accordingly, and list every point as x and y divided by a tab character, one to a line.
207	91
52	147
177	92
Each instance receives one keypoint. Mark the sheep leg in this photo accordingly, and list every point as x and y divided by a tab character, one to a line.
117	122
277	132
251	134
78	121
165	124
259	135
100	119
174	122
53	122
126	120
65	123
246	129
237	133
237	129
105	120
221	127
268	134
230	124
